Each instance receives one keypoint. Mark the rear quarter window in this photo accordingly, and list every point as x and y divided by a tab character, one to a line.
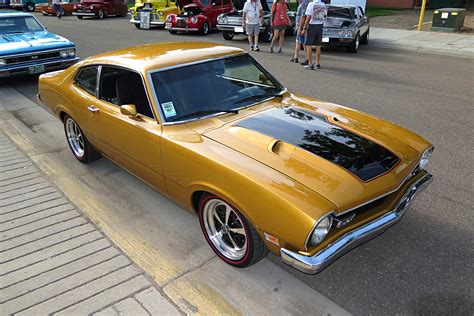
87	79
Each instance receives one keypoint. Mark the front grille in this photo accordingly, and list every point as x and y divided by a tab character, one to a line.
83	9
181	23
234	20
33	57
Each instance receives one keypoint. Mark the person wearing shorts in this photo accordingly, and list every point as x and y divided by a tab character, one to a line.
279	21
252	15
300	38
315	17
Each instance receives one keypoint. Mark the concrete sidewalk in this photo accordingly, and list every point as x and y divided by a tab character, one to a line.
53	260
449	44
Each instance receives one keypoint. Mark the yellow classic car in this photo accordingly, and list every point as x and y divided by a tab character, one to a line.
159	10
263	169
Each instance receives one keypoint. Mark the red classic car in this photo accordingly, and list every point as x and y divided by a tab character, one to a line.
197	15
47	7
100	8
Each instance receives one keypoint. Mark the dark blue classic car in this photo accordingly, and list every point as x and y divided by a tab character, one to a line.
4	4
26	47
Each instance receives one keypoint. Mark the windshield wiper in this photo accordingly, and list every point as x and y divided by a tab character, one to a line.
256	97
207	112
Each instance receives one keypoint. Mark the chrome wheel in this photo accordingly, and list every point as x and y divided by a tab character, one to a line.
75	138
225	229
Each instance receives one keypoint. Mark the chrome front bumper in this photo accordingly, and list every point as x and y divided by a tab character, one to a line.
158	23
84	13
182	29
232	28
352	239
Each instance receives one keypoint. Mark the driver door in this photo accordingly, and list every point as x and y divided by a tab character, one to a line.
132	142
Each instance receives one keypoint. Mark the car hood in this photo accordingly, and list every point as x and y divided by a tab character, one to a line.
346	160
31	42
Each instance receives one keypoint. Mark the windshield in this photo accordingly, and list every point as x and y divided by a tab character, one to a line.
19	24
221	85
339	12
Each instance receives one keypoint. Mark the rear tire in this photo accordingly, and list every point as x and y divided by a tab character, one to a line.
365	38
228	35
229	234
30	7
172	32
78	143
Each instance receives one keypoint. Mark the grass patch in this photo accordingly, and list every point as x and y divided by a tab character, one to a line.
372	12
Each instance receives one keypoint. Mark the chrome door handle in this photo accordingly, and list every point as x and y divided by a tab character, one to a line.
92	109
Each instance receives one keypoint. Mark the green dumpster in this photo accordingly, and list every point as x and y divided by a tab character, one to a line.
436	4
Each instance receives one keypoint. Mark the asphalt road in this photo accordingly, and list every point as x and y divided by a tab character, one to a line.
424	264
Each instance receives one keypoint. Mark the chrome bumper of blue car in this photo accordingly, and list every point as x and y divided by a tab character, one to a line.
352	239
23	69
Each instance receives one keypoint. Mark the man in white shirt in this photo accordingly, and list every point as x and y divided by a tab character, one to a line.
253	13
316	14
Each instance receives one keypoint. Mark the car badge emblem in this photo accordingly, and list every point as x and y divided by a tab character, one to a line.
344	221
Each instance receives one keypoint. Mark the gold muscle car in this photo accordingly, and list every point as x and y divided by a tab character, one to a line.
263	169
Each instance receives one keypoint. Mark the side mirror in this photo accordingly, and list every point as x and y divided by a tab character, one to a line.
129	110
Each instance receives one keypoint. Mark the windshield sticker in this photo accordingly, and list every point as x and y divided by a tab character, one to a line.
168	109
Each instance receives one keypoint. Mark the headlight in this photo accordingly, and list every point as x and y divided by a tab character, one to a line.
3	62
131	11
160	13
168	18
350	34
321	230
63	53
71	52
425	158
222	19
194	20
91	7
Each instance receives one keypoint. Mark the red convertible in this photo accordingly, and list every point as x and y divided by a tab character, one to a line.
100	8
197	15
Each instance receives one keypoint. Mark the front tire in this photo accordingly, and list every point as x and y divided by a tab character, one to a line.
100	14
80	146
354	47
228	35
205	28
229	234
266	36
137	26
79	17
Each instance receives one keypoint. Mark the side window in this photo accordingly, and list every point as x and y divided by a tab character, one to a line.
119	86
87	79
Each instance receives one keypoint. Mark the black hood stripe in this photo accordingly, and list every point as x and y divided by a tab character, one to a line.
312	132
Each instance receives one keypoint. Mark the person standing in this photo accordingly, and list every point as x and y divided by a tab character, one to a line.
253	14
315	17
299	20
279	20
57	8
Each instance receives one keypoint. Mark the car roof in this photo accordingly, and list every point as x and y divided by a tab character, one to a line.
148	57
12	13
